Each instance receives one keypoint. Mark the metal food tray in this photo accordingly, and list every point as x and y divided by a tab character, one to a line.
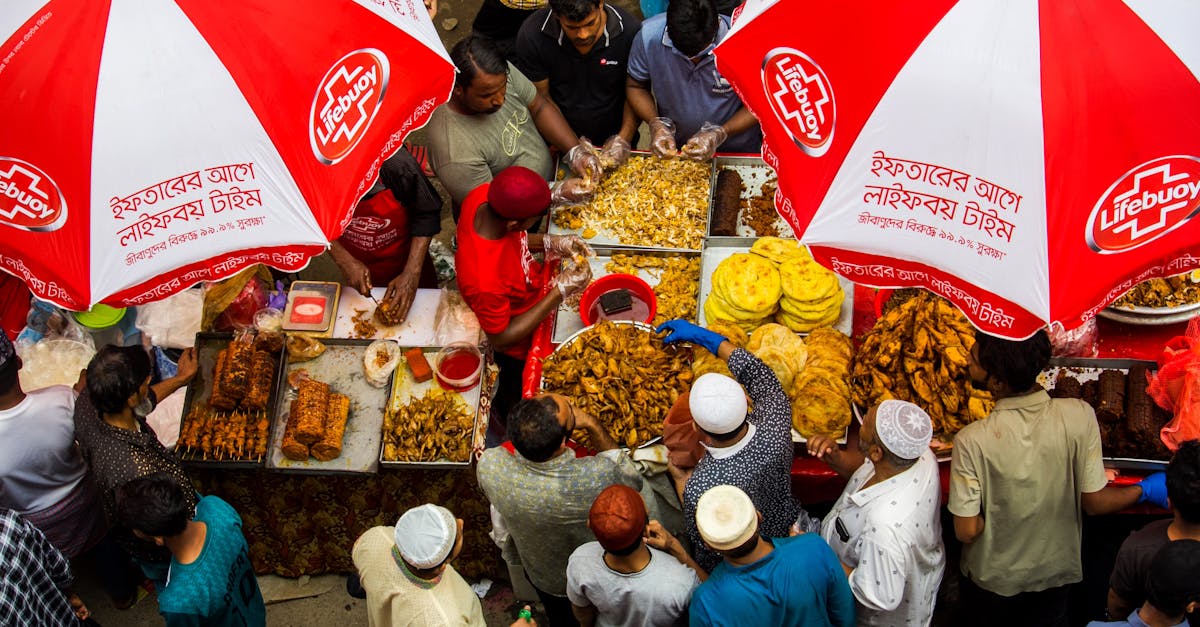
567	321
340	366
404	388
1137	319
714	255
199	390
607	239
754	172
575	336
1088	369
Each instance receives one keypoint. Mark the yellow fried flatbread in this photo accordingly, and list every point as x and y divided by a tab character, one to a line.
772	334
833	338
820	410
805	326
748	282
807	280
781	362
812	309
717	308
779	249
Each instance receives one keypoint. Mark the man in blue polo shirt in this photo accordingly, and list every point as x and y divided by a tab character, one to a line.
575	52
673	77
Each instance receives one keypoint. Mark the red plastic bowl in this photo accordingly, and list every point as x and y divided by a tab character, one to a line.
610	282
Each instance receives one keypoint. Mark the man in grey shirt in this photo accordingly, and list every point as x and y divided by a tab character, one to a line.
618	579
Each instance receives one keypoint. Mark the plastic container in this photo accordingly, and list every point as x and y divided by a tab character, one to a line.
458	366
641	291
268	319
104	324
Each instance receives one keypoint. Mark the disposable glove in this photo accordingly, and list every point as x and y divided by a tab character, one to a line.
662	137
1154	490
572	278
584	160
567	246
615	152
703	145
572	191
684	331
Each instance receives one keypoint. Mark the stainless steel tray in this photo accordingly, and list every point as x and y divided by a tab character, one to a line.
567	321
754	172
714	255
405	388
199	390
1129	317
1088	369
608	239
341	366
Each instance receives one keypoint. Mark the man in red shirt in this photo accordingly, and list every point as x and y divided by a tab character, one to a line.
387	240
498	276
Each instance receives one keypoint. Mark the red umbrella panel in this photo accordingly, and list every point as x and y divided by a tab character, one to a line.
151	145
1028	160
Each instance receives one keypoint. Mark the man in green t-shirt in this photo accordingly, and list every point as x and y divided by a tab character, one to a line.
494	119
210	581
1020	482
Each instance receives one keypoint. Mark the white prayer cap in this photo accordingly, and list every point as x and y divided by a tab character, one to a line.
718	403
903	428
425	535
726	517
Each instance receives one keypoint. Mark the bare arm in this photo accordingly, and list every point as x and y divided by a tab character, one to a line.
598	436
640	99
741	121
843	462
629	123
187	370
1118	606
522	325
968	528
661	539
1110	499
551	123
585	615
402	289
354	272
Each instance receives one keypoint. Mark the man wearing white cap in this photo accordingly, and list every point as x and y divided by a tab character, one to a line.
407	575
779	582
752	451
885	526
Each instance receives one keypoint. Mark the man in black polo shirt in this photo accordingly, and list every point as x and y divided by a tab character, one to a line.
575	53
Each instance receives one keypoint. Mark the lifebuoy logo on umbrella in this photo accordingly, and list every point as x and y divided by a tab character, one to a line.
799	93
1145	204
29	199
346	102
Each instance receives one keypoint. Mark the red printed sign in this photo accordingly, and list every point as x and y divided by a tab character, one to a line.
801	97
1146	203
308	310
29	198
346	102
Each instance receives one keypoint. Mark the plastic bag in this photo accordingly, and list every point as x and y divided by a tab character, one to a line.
47	322
680	435
454	321
232	303
173	321
1082	341
1176	386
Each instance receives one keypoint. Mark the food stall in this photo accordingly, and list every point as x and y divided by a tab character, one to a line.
740	225
401	440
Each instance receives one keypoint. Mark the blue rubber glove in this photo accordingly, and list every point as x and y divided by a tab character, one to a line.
684	331
1154	490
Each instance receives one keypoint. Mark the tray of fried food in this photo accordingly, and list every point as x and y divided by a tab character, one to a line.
648	202
328	414
743	200
428	425
226	419
621	373
1171	296
918	351
674	276
1129	419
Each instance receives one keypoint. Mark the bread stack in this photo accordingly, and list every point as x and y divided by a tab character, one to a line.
745	291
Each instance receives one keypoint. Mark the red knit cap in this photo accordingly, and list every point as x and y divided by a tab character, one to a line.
517	193
617	517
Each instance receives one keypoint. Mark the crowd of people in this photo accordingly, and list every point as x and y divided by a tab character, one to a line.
709	533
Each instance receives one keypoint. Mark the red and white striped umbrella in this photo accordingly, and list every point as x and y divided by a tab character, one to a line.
151	144
1029	160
